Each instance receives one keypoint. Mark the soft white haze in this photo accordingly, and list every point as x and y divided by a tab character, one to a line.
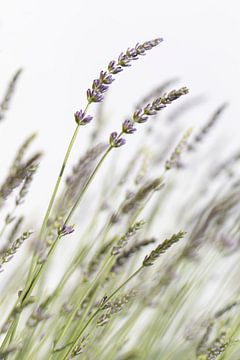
62	45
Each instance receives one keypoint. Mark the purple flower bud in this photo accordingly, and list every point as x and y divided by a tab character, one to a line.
148	45
149	110
103	88
124	60
89	95
139	117
128	127
106	78
132	53
175	94
139	49
65	230
102	75
94	96
98	86
158	105
113	68
156	41
117	70
87	119
115	140
81	118
111	65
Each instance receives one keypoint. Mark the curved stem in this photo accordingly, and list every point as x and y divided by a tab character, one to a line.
52	199
125	283
75	341
94	284
27	292
30	282
56	187
87	185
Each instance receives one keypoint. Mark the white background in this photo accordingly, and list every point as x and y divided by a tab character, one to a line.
62	46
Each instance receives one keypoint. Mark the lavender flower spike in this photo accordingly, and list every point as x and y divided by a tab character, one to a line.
81	118
100	85
128	127
94	96
141	115
115	140
65	230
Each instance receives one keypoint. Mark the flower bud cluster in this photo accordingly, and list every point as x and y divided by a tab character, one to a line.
95	94
142	115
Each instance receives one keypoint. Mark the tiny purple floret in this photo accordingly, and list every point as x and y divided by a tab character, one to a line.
128	127
65	230
115	140
81	118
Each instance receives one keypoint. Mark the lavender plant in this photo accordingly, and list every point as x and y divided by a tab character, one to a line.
124	292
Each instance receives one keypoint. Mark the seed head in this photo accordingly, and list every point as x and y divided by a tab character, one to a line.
162	248
8	254
174	158
123	241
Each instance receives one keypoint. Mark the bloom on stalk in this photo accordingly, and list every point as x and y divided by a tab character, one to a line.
95	94
141	115
116	140
81	118
101	85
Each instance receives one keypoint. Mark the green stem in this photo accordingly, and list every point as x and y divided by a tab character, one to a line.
57	184
86	186
54	245
49	208
56	187
99	309
125	282
30	283
89	290
9	335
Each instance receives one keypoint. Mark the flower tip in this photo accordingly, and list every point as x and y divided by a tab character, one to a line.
185	90
159	40
65	230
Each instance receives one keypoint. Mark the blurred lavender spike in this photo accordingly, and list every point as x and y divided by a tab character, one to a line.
4	105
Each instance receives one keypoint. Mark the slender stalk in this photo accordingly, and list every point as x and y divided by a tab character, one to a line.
74	343
31	284
125	282
55	243
50	205
31	281
56	187
59	179
94	284
86	186
9	335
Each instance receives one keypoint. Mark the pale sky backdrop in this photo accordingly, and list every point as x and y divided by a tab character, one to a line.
62	46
